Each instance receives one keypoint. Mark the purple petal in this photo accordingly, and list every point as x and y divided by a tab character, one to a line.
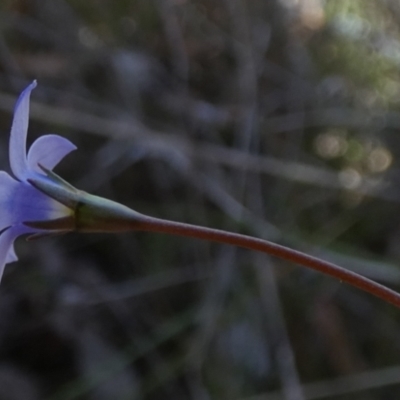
6	244
28	204
48	151
20	202
19	129
11	255
8	186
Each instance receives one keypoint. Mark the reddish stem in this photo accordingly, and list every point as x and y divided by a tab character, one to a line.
177	228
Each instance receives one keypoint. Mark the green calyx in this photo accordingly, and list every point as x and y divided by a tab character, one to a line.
89	213
96	214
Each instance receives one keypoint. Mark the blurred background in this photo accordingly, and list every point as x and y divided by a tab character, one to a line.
279	119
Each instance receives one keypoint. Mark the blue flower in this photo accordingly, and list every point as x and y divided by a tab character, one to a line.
20	201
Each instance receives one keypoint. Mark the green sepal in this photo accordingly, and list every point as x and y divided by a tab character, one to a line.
57	179
96	214
64	224
90	213
57	191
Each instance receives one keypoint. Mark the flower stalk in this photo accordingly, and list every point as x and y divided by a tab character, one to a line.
273	249
143	222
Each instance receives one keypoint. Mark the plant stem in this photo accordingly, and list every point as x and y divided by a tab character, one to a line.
178	228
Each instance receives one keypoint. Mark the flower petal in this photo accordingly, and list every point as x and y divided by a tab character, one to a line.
7	238
19	129
8	186
20	202
11	255
48	150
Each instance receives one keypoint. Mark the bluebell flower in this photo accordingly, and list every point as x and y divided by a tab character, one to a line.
20	201
36	201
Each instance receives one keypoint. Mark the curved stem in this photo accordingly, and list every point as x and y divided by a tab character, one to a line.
178	228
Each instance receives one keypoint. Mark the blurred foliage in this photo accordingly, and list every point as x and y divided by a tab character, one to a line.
274	118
